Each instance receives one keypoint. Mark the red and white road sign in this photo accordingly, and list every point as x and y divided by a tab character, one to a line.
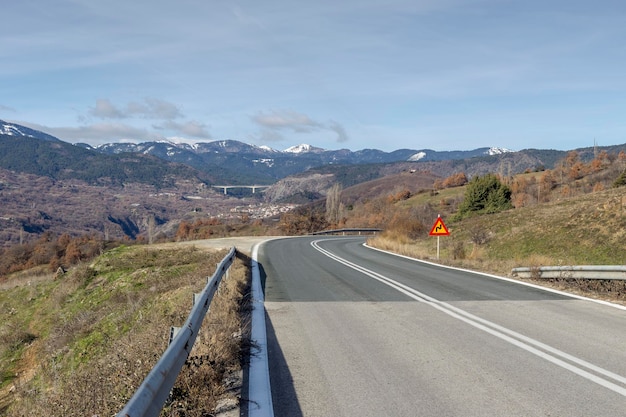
439	228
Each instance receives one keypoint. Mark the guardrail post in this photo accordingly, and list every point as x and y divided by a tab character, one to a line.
174	330
196	297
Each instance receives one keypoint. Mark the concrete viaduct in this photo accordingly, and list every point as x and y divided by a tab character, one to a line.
253	187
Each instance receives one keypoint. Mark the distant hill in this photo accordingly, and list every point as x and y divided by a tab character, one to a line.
313	183
60	160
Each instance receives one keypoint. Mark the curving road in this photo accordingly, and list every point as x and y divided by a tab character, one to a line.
357	332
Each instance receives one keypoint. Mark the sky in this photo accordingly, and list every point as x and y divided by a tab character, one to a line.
391	74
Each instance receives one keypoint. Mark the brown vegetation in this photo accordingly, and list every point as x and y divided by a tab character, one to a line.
454	180
571	177
33	205
201	229
54	253
303	220
82	344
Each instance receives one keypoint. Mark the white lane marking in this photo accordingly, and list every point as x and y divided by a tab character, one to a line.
516	339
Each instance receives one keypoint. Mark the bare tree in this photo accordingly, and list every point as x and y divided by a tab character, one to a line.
151	226
333	204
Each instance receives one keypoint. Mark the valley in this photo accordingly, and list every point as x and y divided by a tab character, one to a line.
32	205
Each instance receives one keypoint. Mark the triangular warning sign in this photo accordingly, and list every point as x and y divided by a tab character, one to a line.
439	228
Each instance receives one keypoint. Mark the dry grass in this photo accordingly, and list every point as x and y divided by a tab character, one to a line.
400	245
212	374
470	256
82	344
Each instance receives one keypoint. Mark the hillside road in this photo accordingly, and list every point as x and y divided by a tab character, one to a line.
357	332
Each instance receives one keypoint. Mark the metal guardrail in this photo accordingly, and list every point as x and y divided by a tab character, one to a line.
616	272
358	230
149	398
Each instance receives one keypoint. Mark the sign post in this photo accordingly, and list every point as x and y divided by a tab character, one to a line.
439	229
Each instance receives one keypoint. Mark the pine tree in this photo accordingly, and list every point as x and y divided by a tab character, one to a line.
485	194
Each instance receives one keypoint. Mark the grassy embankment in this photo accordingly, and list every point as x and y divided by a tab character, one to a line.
82	344
584	230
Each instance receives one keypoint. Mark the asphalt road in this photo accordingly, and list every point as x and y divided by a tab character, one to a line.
357	332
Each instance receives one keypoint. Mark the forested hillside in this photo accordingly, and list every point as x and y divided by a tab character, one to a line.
60	160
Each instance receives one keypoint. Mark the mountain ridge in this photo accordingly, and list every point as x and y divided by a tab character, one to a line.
366	155
235	162
265	165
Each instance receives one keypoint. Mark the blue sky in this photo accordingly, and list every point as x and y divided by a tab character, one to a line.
438	74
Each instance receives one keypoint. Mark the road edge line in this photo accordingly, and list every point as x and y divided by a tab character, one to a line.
528	284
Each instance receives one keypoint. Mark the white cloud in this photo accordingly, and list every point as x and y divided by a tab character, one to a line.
6	109
100	133
189	128
106	110
153	108
296	122
150	108
291	120
96	134
134	112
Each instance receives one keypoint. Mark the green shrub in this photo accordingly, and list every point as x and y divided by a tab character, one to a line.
485	194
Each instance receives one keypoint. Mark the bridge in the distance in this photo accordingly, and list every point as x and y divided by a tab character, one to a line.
252	187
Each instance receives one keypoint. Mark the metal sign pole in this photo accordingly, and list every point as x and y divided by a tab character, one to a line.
437	247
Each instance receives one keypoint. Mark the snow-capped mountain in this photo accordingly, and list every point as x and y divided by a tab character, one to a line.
235	159
12	129
430	155
303	148
267	164
498	151
418	156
